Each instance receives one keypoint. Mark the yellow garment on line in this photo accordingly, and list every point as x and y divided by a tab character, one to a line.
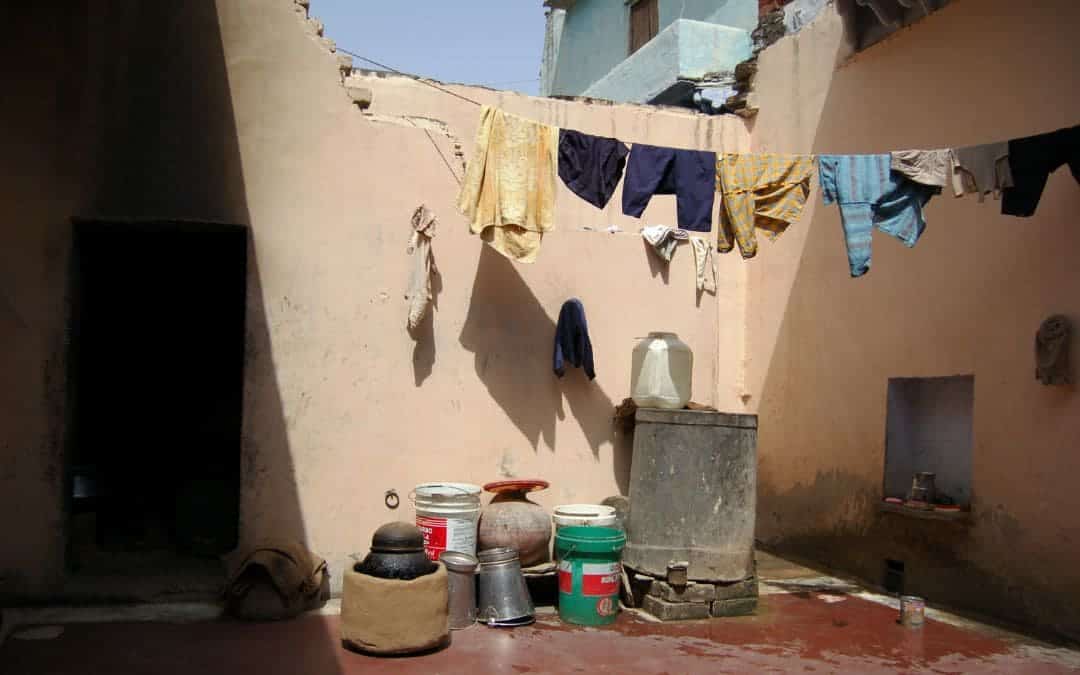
509	190
765	191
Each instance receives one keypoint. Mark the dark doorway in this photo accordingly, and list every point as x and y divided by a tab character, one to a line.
157	349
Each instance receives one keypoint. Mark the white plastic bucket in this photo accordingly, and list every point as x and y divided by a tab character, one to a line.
447	515
587	515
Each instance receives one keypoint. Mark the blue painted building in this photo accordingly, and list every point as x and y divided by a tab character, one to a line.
646	51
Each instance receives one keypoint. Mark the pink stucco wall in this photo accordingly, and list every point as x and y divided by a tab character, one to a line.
966	300
341	403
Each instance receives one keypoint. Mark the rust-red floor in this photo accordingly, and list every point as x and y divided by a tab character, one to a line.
807	632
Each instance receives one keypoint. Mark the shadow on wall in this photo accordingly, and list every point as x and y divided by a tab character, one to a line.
270	507
423	358
168	147
512	339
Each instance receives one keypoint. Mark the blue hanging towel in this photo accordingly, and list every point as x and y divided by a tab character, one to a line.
572	340
871	195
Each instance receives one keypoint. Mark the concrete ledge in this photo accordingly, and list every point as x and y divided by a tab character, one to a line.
737	607
706	417
675	611
685	50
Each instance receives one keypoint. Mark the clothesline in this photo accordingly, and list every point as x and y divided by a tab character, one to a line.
586	229
508	192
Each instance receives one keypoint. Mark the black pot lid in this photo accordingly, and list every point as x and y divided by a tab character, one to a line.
397	537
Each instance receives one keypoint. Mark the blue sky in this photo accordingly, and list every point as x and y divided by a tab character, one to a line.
492	42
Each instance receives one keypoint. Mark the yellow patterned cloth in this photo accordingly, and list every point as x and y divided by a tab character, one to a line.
509	190
764	191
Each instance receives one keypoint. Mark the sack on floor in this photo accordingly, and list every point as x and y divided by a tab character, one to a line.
277	581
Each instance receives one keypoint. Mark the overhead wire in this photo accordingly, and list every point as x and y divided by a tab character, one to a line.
418	78
431	138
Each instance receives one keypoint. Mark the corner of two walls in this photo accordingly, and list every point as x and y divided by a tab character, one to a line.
966	300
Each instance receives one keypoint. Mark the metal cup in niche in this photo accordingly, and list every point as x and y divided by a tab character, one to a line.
503	597
923	488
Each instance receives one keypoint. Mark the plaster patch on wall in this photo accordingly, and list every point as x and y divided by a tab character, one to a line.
508	464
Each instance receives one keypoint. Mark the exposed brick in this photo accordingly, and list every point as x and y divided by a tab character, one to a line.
745	70
691	592
769	29
675	611
747	588
736	607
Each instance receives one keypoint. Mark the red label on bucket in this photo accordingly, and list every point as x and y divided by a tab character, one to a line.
599	579
434	531
566	578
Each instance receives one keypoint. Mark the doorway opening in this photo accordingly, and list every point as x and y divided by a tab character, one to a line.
156	353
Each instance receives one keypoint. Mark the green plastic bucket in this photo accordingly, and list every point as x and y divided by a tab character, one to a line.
589	574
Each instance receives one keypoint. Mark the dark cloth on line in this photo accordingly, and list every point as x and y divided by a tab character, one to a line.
572	343
690	175
591	166
1052	351
1032	160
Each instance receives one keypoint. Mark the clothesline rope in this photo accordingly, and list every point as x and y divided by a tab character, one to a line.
446	161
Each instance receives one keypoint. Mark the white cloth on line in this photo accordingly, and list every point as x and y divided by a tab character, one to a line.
664	239
704	267
423	267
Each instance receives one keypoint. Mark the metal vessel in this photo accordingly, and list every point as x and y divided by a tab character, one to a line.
461	568
502	597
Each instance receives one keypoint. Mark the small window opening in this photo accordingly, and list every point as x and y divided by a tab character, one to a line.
929	430
644	23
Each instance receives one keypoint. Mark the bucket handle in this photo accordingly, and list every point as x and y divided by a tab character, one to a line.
412	493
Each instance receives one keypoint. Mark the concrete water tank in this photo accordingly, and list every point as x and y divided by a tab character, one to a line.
693	493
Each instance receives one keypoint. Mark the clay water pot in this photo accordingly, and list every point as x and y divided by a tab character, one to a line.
512	521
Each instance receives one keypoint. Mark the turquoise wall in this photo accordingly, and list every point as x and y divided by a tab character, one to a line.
596	35
595	39
735	13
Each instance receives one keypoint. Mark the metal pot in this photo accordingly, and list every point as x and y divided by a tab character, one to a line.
503	597
397	552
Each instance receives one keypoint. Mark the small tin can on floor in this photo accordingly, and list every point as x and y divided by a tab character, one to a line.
912	611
